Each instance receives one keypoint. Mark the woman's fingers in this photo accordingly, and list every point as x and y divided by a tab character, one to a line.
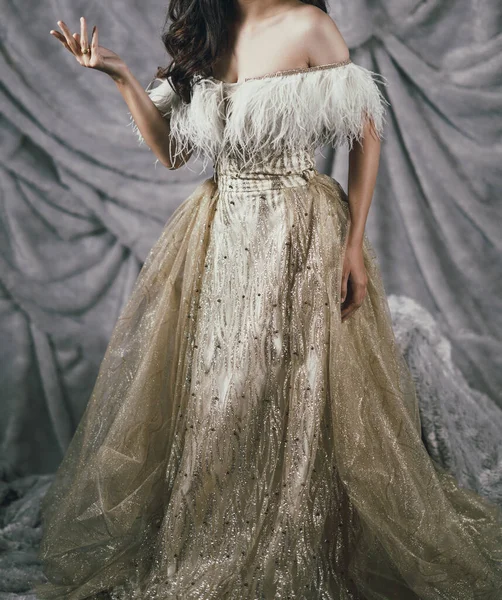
345	279
69	38
78	43
84	44
62	39
356	294
83	34
94	38
346	314
349	309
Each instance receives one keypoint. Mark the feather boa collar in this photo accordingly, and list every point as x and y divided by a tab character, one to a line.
289	111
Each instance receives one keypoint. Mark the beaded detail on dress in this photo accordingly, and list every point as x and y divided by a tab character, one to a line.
283	72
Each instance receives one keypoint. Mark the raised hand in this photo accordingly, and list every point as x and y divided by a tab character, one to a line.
90	55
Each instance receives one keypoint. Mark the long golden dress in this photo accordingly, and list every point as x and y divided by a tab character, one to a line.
241	442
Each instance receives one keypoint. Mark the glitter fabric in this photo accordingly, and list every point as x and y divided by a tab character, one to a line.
241	442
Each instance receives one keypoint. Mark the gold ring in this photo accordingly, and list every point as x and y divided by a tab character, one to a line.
85	51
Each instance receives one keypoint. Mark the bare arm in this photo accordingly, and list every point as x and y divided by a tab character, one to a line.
153	126
364	159
325	44
363	167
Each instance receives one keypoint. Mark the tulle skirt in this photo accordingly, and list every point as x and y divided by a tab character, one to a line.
241	442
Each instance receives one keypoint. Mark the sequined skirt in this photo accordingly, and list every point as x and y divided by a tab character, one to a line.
241	442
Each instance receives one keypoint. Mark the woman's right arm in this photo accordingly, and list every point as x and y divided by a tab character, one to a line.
153	126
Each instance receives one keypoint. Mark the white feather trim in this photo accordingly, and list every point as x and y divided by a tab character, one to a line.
197	126
164	98
293	112
303	111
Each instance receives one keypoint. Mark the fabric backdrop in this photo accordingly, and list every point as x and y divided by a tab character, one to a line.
82	203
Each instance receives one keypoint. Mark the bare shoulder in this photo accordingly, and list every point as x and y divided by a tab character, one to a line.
320	36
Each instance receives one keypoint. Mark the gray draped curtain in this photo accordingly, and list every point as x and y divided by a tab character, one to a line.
82	202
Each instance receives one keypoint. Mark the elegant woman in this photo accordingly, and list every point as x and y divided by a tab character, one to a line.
254	432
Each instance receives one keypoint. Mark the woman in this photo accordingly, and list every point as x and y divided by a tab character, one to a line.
254	431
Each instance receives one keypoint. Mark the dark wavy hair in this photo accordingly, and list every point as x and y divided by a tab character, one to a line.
196	34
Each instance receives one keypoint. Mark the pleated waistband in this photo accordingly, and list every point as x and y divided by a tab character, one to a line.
261	181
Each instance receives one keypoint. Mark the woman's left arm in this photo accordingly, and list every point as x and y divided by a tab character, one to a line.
364	158
324	44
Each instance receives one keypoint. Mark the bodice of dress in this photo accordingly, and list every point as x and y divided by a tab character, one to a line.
289	169
265	130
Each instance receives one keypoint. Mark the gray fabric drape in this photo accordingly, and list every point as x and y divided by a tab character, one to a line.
82	203
438	234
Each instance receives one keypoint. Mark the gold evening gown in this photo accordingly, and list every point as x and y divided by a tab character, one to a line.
241	442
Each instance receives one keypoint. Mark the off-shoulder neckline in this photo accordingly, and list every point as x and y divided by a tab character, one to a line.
284	72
